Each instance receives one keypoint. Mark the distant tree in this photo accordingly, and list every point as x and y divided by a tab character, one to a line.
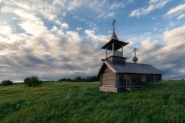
32	81
68	79
6	82
62	79
26	80
78	79
92	79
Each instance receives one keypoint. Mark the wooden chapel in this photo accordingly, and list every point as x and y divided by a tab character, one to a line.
117	74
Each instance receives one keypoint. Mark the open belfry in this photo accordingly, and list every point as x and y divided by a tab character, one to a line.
117	74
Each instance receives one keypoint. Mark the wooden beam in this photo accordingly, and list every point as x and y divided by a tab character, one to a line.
122	51
100	79
117	80
106	53
131	80
113	49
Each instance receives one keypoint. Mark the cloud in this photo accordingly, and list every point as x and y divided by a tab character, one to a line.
111	8
92	25
5	31
181	16
73	4
66	5
35	42
116	5
105	15
176	11
168	56
153	4
28	47
34	59
43	8
49	55
76	17
130	1
65	26
79	28
155	28
179	8
90	33
176	33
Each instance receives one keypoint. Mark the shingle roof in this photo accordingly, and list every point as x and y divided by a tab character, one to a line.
132	68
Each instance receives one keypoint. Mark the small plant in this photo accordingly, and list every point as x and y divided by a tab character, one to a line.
32	81
6	82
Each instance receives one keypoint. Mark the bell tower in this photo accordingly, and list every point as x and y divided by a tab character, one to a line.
114	48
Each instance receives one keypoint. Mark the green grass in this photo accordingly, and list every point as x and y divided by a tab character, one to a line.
82	102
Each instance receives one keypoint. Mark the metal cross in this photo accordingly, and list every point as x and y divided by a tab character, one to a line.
114	21
135	49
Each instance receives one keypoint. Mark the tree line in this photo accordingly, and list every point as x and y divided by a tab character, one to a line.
34	81
80	79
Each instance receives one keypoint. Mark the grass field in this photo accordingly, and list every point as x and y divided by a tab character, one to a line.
82	102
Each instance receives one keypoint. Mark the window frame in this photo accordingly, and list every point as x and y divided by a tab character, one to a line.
155	78
143	78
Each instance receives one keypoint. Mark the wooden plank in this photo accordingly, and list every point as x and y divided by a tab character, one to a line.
108	77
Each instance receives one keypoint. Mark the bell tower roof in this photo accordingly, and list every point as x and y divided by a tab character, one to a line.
118	44
114	36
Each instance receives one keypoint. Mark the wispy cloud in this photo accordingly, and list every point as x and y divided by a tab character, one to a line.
176	11
152	5
106	9
116	5
130	1
76	17
181	16
79	28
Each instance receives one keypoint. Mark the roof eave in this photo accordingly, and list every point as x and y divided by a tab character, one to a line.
115	41
104	61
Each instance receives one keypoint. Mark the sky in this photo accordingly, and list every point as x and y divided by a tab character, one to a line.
53	39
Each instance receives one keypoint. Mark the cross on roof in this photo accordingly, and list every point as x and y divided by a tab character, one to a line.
135	49
113	23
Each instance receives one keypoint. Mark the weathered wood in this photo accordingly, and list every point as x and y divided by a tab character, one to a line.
117	60
100	80
117	80
136	79
108	77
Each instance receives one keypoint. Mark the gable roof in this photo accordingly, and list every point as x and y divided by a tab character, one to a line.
131	68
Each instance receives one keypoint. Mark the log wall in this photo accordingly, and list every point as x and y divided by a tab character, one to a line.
137	79
108	77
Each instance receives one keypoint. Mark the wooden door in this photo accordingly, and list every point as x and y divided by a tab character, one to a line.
128	80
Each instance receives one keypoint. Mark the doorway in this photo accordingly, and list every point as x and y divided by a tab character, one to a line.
127	80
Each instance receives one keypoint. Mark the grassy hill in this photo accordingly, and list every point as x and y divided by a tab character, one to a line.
82	102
